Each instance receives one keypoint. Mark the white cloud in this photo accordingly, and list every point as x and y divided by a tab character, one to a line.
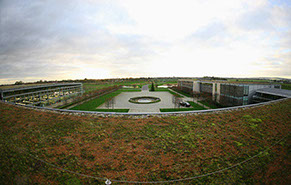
100	39
172	20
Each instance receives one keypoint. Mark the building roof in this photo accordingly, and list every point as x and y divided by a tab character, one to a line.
228	82
277	92
33	86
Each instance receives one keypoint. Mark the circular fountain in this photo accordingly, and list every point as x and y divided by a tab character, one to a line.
144	100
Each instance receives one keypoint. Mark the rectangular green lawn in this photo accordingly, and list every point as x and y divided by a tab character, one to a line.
112	110
93	104
167	90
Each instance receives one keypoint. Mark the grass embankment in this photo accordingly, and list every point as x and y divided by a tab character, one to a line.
112	110
91	105
130	90
172	82
151	149
210	105
286	86
182	92
167	90
194	107
89	95
248	80
88	87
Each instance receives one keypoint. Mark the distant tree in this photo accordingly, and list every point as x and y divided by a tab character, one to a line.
18	83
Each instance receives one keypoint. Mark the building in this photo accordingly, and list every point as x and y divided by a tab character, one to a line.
225	93
268	94
40	94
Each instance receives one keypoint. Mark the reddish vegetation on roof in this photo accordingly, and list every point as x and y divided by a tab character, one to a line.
146	149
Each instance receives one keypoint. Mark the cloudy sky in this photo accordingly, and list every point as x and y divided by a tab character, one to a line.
76	39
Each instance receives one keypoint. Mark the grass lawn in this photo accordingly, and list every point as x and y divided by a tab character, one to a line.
162	89
112	110
248	80
131	90
208	104
93	104
167	82
196	106
88	87
167	90
66	106
286	86
181	92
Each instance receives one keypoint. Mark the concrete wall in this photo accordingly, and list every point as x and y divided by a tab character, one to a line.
196	86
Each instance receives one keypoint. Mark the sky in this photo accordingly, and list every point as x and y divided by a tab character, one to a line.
96	39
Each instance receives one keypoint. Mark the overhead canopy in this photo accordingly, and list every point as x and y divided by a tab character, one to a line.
277	92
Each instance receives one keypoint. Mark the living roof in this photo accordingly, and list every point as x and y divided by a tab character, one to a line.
146	149
32	86
2	87
227	82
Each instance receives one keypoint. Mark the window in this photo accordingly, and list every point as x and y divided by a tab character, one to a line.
245	100
246	90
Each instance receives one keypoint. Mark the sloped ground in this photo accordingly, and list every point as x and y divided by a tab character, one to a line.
146	149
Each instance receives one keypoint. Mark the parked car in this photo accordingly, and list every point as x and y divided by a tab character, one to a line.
185	104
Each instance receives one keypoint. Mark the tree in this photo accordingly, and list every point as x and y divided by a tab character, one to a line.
153	87
18	82
110	103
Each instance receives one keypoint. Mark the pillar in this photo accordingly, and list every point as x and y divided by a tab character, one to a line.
213	91
218	93
196	86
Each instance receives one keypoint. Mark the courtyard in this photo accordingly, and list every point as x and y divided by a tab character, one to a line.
121	101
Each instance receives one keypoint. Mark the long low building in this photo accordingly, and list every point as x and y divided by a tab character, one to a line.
223	92
40	95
